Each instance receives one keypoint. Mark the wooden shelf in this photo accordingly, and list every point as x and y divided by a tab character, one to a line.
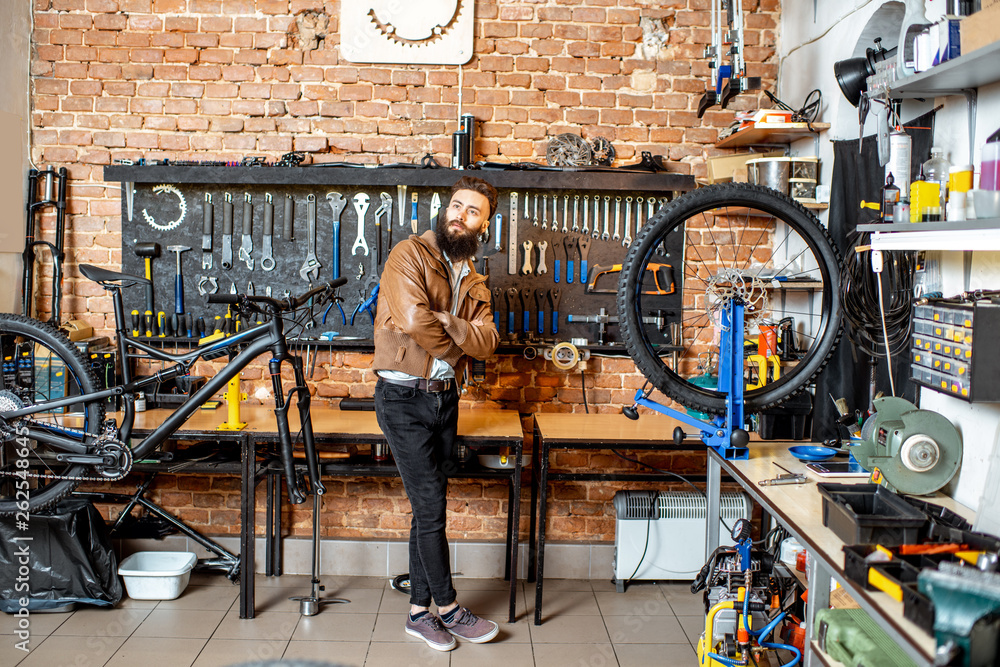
968	71
771	133
755	213
960	235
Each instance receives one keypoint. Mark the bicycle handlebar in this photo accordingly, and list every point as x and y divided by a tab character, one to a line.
273	305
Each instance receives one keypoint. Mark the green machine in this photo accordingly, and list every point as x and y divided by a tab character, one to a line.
966	614
917	451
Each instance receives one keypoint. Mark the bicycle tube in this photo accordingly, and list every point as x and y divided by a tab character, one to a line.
729	238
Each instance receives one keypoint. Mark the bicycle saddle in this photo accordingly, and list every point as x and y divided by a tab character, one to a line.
99	275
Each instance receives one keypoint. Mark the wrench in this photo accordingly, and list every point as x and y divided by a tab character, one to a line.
540	298
576	213
526	269
627	241
206	233
554	295
639	222
526	216
545	211
569	242
511	293
337	204
401	199
267	261
597	215
512	236
227	232
618	219
435	211
586	206
604	235
534	218
525	295
584	243
565	227
555	213
361	206
542	247
309	271
247	247
497	221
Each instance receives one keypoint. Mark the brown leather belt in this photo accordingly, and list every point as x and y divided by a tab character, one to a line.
433	386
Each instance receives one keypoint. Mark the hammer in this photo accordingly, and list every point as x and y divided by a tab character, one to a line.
178	278
148	251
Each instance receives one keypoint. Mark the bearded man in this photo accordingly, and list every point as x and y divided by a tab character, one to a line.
433	312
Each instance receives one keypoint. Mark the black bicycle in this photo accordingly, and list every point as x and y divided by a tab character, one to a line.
54	433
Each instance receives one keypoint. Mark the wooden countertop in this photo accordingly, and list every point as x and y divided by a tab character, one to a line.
478	423
799	507
606	428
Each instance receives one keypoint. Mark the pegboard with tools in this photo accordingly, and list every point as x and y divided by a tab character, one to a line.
553	254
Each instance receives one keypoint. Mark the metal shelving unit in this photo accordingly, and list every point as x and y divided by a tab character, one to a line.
983	234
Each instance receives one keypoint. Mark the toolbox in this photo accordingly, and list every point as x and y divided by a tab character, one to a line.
870	514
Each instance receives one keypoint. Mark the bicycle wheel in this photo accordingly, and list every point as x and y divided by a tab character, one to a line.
40	364
731	241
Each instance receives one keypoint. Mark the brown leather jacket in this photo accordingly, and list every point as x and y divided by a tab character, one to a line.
415	284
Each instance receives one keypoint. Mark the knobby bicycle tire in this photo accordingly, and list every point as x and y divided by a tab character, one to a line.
755	207
56	367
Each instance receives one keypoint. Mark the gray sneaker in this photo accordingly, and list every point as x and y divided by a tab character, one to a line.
471	628
429	628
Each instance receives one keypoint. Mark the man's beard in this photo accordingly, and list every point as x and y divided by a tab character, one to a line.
458	246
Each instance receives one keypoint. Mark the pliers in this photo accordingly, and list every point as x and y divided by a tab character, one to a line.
367	305
335	302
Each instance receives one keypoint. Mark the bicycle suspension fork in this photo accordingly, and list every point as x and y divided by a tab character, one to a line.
301	392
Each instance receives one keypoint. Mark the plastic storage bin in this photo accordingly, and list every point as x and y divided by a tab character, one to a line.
870	514
157	575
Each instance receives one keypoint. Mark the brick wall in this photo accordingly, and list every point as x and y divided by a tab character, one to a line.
220	79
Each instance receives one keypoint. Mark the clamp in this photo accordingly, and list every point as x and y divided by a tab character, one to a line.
207	285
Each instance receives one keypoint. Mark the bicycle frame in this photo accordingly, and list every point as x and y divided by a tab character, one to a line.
259	339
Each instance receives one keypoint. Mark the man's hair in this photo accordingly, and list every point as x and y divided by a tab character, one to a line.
480	186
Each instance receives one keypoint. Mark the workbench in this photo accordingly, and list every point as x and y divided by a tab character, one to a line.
477	429
799	509
554	431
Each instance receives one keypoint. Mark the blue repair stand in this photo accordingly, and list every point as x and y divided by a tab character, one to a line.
723	433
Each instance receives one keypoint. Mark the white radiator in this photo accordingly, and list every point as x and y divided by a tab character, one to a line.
669	542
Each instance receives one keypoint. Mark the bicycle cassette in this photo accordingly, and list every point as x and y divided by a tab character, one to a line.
568	150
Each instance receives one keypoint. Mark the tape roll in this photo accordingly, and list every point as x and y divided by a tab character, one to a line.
565	356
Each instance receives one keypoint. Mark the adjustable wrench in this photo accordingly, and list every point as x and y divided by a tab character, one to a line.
267	261
247	247
627	241
511	294
586	207
309	271
227	232
565	227
618	219
542	247
540	306
361	207
382	211
526	269
604	235
512	237
337	204
206	233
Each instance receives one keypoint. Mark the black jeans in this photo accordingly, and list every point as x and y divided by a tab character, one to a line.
420	427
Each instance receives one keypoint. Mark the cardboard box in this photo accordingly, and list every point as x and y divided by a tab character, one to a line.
722	168
982	28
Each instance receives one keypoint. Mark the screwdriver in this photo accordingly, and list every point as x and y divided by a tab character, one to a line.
161	324
148	316
135	323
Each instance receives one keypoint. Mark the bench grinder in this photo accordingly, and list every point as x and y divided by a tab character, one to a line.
917	451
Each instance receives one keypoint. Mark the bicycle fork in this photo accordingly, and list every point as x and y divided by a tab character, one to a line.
282	404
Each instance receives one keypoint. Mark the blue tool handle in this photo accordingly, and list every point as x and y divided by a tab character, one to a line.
510	322
583	271
527	321
541	321
555	321
556	275
336	249
179	294
569	270
496	319
413	213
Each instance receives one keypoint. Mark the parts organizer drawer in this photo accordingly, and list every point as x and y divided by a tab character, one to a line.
944	355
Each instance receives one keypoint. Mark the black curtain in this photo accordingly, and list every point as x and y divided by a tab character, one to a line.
858	176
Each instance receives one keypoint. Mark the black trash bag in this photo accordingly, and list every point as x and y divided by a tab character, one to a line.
65	553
